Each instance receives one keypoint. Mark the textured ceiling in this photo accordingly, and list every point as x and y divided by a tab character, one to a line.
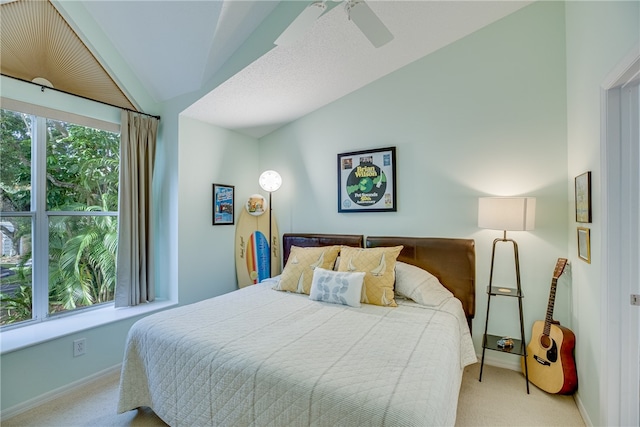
176	47
36	42
334	58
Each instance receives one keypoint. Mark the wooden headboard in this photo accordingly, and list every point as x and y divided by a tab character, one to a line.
316	240
452	261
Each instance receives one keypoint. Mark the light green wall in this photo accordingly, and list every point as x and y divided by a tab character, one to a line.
210	155
483	116
33	371
486	115
199	257
599	36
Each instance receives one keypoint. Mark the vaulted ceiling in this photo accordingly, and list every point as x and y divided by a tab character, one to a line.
172	48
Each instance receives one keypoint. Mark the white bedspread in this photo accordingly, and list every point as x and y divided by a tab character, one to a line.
259	357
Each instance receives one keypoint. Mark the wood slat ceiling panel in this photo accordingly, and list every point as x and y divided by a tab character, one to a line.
36	41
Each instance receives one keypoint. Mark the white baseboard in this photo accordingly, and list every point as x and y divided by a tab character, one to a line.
582	409
53	394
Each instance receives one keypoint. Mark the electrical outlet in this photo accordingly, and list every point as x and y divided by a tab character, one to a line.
79	347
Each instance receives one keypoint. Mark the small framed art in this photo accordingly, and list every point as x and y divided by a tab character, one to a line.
223	199
584	244
583	197
367	181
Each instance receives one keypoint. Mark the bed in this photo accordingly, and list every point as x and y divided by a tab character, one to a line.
262	357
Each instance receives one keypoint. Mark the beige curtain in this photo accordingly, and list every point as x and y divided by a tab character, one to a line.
135	262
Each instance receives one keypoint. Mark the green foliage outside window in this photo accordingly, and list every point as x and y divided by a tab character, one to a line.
82	166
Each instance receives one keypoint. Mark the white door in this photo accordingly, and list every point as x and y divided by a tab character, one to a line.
630	137
620	380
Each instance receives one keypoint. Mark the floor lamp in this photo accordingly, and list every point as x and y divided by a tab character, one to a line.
506	214
270	181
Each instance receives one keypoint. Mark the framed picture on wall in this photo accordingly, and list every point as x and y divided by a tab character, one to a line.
584	244
583	197
367	181
223	199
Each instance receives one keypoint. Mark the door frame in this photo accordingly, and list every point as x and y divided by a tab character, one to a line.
619	375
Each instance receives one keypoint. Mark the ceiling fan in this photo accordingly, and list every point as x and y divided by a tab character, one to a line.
357	11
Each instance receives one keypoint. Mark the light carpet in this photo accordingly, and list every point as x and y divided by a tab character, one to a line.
499	400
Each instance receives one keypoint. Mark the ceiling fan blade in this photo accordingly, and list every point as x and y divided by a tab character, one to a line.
301	24
370	25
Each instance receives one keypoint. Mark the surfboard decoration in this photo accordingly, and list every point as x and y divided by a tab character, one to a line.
252	248
257	257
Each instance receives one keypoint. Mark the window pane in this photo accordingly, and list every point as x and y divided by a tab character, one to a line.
82	260
15	155
82	168
15	263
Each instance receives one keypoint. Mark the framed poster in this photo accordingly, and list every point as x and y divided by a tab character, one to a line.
367	181
583	197
584	244
223	198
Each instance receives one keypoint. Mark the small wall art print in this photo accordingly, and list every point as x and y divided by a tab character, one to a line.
583	197
223	199
584	244
367	181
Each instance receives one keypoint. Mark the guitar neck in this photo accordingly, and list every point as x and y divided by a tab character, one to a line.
552	299
562	262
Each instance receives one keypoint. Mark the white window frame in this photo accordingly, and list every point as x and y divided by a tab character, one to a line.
39	214
33	332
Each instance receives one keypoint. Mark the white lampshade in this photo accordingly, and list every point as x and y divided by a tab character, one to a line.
270	180
507	213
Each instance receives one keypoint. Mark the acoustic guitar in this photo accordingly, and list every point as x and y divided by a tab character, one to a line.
550	360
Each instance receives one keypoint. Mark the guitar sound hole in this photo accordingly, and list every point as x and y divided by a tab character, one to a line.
545	341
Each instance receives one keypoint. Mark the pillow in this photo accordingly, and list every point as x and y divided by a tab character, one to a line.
420	285
297	274
378	264
337	287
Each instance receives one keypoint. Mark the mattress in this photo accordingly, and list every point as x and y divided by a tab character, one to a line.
260	357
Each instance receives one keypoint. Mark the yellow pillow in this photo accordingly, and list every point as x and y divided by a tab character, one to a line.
379	265
298	273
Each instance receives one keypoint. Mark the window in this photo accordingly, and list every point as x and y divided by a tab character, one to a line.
58	214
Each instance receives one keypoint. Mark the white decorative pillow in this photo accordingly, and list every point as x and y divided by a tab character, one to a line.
337	287
419	285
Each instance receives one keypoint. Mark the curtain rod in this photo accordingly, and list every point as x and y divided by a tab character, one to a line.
43	87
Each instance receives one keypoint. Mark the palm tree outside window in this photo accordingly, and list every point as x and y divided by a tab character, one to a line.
58	216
